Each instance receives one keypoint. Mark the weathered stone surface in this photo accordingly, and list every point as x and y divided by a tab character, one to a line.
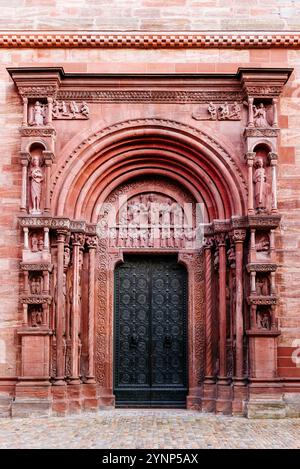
271	408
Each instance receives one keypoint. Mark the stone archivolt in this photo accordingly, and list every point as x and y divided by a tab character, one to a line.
156	167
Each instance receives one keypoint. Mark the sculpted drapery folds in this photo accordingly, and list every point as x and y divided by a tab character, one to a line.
36	177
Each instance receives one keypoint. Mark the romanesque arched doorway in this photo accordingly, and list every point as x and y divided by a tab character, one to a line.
76	235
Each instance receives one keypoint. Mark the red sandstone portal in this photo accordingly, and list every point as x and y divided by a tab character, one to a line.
91	141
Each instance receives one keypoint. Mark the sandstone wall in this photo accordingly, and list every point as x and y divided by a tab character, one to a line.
151	15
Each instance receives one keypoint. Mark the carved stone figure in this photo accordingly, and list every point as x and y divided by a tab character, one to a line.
55	109
38	114
41	243
235	112
74	108
260	190
262	286
64	109
212	111
224	111
35	286
260	116
34	243
263	320
84	109
263	244
36	318
36	177
67	257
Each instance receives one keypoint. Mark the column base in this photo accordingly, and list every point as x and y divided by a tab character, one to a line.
224	397
265	399
209	395
240	395
32	399
90	396
74	397
106	398
194	398
60	399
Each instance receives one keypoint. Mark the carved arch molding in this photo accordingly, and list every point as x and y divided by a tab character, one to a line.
83	168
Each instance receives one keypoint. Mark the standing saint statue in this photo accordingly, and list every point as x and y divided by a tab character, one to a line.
36	176
259	180
260	116
38	114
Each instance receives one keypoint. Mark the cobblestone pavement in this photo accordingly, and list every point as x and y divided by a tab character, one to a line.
148	429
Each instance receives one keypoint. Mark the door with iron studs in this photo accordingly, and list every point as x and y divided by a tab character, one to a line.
150	332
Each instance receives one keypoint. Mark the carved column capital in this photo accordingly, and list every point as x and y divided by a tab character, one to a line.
250	157
48	157
61	235
91	242
25	158
239	236
273	158
208	242
220	239
78	239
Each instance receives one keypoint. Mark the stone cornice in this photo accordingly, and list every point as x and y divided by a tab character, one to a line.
151	40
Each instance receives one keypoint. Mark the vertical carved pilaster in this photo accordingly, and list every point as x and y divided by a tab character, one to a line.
48	158
25	110
250	157
77	242
209	365
250	112
92	242
50	106
239	237
273	158
275	113
220	240
60	306
25	157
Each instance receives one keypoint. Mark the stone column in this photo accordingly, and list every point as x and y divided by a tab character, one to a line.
239	237
25	157
50	105
208	400
223	401
250	156
25	111
60	305
273	158
250	112
275	113
48	158
26	238
77	242
220	239
92	242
